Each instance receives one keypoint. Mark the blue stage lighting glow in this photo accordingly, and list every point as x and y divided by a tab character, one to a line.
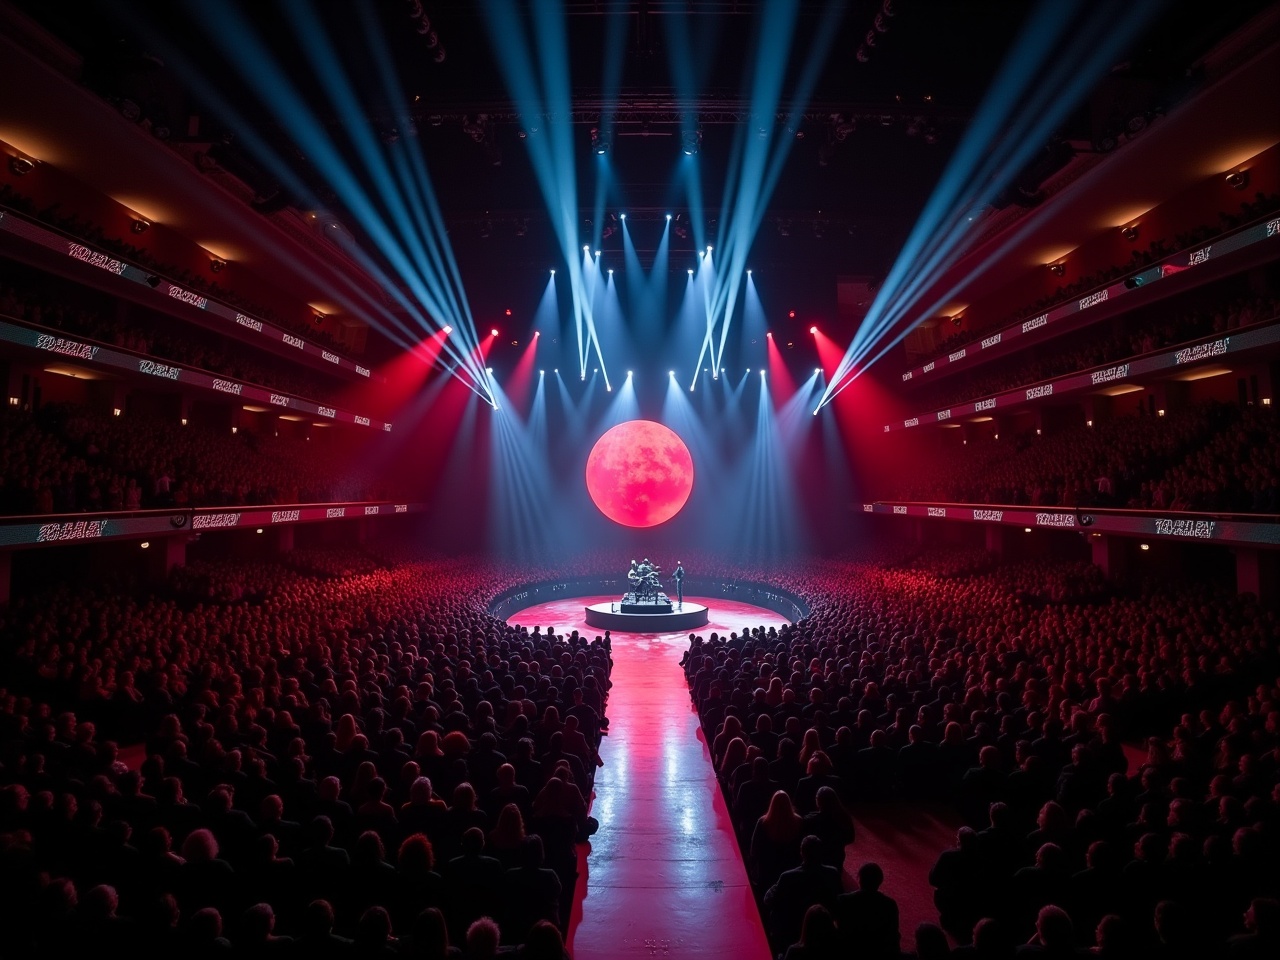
488	369
553	273
622	216
447	329
668	216
691	272
1060	52
628	373
597	253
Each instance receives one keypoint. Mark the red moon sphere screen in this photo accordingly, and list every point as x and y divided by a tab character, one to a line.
639	473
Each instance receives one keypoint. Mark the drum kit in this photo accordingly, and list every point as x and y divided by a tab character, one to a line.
644	581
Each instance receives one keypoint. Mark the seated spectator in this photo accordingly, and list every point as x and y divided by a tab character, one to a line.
868	919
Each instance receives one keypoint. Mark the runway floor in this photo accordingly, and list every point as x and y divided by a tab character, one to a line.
662	876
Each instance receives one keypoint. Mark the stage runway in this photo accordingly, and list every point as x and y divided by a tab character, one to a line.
663	876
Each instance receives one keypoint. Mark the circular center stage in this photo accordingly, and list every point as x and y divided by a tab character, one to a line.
609	616
724	616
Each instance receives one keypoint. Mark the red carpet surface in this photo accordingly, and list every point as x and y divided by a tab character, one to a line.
663	876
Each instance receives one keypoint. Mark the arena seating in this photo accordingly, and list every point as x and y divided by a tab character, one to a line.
1208	456
84	313
1008	691
69	459
1260	205
92	234
1090	347
351	750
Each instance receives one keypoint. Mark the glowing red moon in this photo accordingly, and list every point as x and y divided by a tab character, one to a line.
639	473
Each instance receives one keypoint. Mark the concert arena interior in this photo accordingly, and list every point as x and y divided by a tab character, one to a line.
606	479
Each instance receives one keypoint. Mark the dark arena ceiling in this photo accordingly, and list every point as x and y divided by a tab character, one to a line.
892	88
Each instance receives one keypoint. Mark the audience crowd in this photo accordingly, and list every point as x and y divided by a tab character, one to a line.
66	459
1248	211
355	763
1207	456
1007	691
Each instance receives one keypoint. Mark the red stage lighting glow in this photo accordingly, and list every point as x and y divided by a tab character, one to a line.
813	329
791	314
508	311
493	332
639	474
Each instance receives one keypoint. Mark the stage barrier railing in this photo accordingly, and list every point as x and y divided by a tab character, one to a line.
783	602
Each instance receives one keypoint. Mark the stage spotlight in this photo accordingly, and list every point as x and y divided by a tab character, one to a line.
628	374
622	216
748	369
140	225
708	248
216	264
817	370
599	142
791	314
586	248
813	329
769	334
447	329
537	333
748	273
493	332
597	253
691	141
762	373
556	370
668	216
1144	546
611	271
542	373
691	272
508	311
20	166
488	369
553	273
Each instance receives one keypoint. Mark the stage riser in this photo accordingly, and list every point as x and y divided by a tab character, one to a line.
692	617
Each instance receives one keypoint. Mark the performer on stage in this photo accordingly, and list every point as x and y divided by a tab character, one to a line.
679	576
